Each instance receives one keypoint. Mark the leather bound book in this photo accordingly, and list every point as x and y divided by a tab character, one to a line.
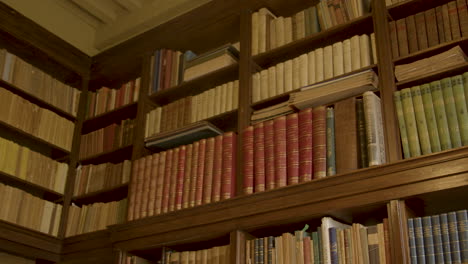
431	25
180	177
319	139
132	192
248	166
209	162
292	148
280	151
146	186
269	155
201	172
194	177
412	34
402	37
187	176
421	30
259	157
454	21
218	168
173	186
153	184
228	187
139	188
167	181
305	145
346	136
463	17
160	182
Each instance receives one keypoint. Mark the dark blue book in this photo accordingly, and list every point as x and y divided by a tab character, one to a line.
438	243
462	220
333	245
428	240
412	241
331	160
454	239
445	237
419	238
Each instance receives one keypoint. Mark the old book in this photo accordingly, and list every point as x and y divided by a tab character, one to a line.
451	111
303	70
365	47
209	62
256	87
441	116
402	37
338	58
328	223
355	53
200	172
146	186
194	177
331	161
440	24
328	62
259	157
319	65
217	169
463	17
412	34
272	29
167	181
454	20
362	137
264	18
249	164
428	238
319	139
410	121
430	117
431	26
292	148
288	33
269	155
401	124
296	73
305	146
347	57
209	164
346	136
288	75
187	176
421	122
264	89
271	83
228	187
420	20
461	108
255	33
280	150
280	31
374	129
394	39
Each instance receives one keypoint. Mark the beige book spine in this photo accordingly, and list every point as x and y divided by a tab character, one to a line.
365	50
347	61
319	71
255	33
280	78
296	73
256	94
272	90
288	75
311	67
264	85
280	32
303	70
288	32
355	53
338	59
328	62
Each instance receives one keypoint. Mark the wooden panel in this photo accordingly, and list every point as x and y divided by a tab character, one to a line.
398	231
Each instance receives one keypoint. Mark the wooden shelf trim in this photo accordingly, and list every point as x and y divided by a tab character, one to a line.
86	241
101	194
377	185
118	114
121	153
35	189
434	76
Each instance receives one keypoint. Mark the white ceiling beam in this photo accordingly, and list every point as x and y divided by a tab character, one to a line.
99	9
130	5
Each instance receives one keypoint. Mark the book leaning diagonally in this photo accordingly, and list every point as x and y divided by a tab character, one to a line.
335	90
328	222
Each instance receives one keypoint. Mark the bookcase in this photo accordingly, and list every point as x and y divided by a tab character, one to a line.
397	190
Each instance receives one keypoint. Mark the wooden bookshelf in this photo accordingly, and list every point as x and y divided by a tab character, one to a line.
115	193
30	187
434	76
115	116
115	156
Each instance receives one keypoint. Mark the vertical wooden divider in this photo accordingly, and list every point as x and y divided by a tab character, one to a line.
397	219
386	80
245	91
74	157
238	240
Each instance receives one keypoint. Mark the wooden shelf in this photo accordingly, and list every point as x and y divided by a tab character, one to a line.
93	247
37	101
115	193
411	7
34	143
114	116
291	50
30	187
29	243
197	85
434	76
115	156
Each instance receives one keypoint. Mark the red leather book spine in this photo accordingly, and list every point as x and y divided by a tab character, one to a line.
248	166
173	188
280	152
319	138
228	187
167	181
217	168
153	184
269	154
209	163
160	182
201	172
180	177
259	157
187	176
305	145
292	148
194	178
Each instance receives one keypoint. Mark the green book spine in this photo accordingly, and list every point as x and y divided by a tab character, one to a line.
451	112
454	238
441	117
465	84
462	221
421	123
460	105
401	124
444	228
419	239
438	243
410	121
316	246
430	117
331	161
362	137
428	240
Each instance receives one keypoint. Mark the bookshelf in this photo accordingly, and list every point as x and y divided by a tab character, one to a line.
399	189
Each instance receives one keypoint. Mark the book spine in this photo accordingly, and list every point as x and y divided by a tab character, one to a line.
259	157
402	124
461	109
346	137
180	177
430	117
438	243
333	246
331	161
394	39
362	137
229	166
187	176
421	30
292	148
431	25
421	123
451	112
412	34
440	24
402	37
410	121
463	17
270	155
200	173
444	227
146	186
305	145
280	151
428	240
167	181
441	117
218	169
419	239
319	139
160	183
462	222
173	186
374	129
454	238
209	164
248	166
454	22
316	246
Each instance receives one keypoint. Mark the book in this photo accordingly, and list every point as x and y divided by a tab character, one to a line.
346	147
451	111
421	123
374	129
249	160
305	146
259	157
330	159
292	148
319	139
410	122
430	117
402	124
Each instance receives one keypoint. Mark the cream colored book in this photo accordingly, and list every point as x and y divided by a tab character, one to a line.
288	30
303	70
347	60
235	95
264	85
62	170
355	53
211	103
205	102
273	41
288	75
229	87
374	48
194	108
296	73
366	53
224	95
255	33
217	100
7	196
328	62
39	213
338	59
58	215
147	123
280	32
300	24
374	129
264	17
311	67
280	78
256	94
272	91
319	68
12	159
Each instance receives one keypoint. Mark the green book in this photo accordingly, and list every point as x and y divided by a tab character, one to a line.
460	105
441	117
362	138
421	123
410	121
401	124
451	112
316	245
430	117
331	160
465	84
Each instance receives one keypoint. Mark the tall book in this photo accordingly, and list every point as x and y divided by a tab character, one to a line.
280	151
305	146
270	171
346	137
421	123
374	129
410	121
319	139
430	117
248	166
259	157
401	124
451	111
331	161
441	116
292	148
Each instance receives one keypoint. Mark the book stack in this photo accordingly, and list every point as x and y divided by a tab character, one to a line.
39	122
221	99
218	255
429	28
11	259
107	139
106	99
441	238
314	143
21	162
270	31
93	178
199	173
125	258
24	209
313	67
433	117
38	83
332	243
93	217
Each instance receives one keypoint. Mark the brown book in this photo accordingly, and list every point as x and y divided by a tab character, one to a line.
228	186
187	176
463	17
180	177
394	39
167	181
319	139
201	172
292	148
269	155
173	187
209	164
440	24
160	182
194	177
446	20
152	184
422	31
259	157
402	34
280	151
249	165
218	169
305	145
346	136
146	185
431	25
412	34
454	21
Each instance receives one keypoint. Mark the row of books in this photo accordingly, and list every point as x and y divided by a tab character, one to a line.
214	255
93	178
441	238
38	83
429	28
125	258
433	117
392	2
212	102
332	243
316	66
93	217
106	99
313	143
107	139
24	209
270	31
39	122
25	164
12	259
167	68
187	176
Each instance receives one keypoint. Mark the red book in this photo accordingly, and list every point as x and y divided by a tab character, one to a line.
200	172
173	187
319	138
123	91
146	186
307	249
167	181
194	178
292	148
248	166
305	145
217	168
163	67
259	157
187	176
228	187
269	154
153	184
208	179
139	187
160	183
280	151
132	191
180	177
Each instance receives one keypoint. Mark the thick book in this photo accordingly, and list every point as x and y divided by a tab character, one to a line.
446	242
454	237
305	146
430	117
402	37
259	157
412	34
228	182
441	116
346	137
402	124
428	239
331	160
187	176
209	165
462	224
463	17
460	107
374	129
431	26
362	134
419	240
292	148
270	171
319	139
249	165
410	121
451	111
200	172
218	168
280	150
421	122
437	239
